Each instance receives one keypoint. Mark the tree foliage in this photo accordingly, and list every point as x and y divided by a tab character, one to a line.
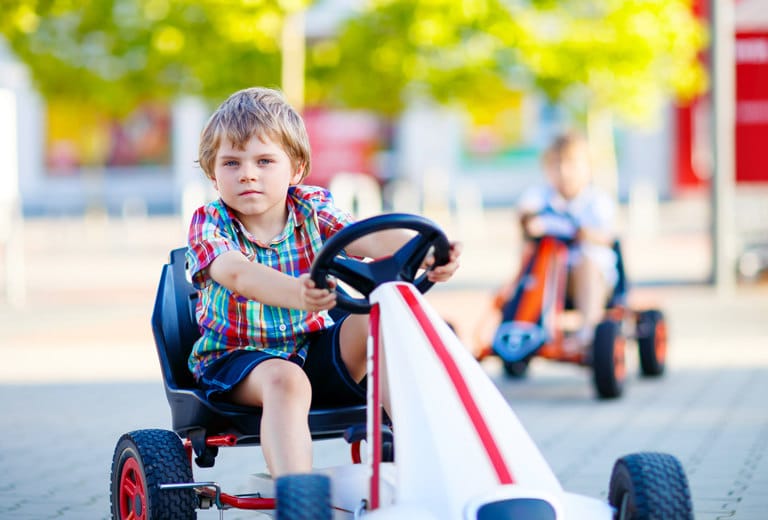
625	55
450	51
614	54
114	54
622	55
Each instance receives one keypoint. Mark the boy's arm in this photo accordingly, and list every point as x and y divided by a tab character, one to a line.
380	244
386	243
267	285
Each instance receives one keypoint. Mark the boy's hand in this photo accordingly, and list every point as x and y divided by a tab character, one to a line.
535	227
314	299
444	272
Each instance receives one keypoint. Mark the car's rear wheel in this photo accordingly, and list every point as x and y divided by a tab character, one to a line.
650	486
651	342
608	360
143	460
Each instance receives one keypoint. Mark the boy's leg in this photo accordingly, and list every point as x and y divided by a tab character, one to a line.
353	342
283	391
590	293
354	352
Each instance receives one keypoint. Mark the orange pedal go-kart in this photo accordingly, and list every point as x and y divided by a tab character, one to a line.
531	315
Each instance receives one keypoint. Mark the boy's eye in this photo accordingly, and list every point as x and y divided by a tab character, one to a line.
265	161
230	163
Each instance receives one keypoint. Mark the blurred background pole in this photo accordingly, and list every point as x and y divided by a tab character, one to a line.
723	76
11	223
292	74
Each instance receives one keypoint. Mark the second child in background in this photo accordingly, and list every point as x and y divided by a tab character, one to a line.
590	213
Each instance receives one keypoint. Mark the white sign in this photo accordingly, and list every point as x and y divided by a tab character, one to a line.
9	172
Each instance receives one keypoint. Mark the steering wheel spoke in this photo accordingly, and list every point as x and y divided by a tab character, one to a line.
411	256
356	273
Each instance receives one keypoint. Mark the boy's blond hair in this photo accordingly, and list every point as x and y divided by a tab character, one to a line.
255	112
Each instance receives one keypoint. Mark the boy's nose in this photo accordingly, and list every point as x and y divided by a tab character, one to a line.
248	173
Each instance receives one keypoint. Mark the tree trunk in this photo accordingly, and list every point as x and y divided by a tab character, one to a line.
603	150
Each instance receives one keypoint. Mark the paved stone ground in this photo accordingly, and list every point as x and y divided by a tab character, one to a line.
80	369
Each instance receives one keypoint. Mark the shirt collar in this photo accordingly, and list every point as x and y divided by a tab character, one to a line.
298	208
298	211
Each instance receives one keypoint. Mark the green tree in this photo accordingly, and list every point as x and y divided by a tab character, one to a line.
625	56
115	54
462	52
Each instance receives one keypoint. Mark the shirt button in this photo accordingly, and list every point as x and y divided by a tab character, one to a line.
282	327
269	252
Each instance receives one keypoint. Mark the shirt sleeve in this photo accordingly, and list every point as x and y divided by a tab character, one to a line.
210	234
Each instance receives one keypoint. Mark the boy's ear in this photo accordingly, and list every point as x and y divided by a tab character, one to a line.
299	175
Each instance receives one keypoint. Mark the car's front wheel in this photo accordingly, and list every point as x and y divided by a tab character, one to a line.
303	497
650	486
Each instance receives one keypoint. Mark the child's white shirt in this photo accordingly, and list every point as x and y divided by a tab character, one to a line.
591	209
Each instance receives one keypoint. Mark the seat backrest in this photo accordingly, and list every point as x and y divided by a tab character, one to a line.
173	322
619	296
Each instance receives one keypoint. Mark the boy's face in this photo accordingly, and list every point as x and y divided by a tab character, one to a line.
254	181
570	172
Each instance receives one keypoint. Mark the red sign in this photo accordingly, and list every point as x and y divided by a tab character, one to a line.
342	142
751	106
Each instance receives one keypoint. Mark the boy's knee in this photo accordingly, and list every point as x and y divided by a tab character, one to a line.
287	379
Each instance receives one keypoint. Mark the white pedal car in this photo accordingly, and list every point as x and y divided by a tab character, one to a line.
459	450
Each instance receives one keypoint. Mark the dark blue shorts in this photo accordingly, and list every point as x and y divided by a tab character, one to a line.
332	386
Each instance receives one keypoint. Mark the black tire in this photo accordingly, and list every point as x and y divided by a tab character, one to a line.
651	332
143	460
608	368
650	486
516	369
303	497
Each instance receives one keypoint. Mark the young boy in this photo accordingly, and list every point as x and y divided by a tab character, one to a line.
267	338
591	213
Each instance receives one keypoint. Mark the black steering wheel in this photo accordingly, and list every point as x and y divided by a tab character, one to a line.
364	277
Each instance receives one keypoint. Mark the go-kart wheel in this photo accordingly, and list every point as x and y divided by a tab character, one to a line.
608	363
650	486
364	277
651	332
516	369
303	497
143	460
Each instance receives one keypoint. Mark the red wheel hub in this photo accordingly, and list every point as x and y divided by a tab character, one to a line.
133	496
661	341
619	361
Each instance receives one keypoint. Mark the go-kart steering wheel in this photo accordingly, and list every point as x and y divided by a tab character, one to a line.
364	277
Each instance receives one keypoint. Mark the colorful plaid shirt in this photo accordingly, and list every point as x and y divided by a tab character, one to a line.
231	322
